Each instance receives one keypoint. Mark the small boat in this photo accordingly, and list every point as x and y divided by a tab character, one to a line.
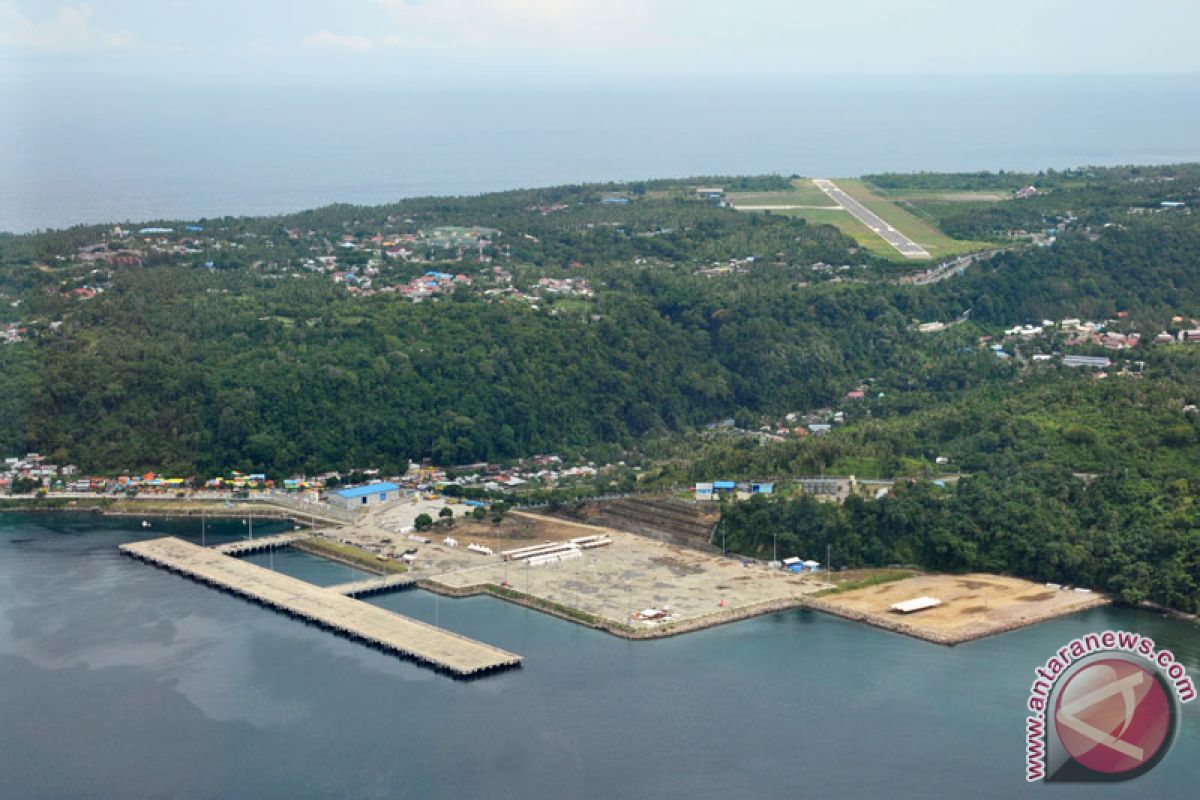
145	523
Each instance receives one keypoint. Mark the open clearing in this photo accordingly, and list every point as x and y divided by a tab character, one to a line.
959	196
847	224
881	227
607	583
808	202
802	193
973	606
921	231
632	574
607	586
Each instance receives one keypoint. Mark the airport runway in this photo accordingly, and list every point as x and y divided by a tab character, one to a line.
907	247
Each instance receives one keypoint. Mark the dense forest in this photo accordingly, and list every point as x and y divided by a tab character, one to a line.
613	316
1063	478
241	360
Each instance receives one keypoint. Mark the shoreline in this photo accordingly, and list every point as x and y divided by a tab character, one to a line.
623	631
949	639
1182	616
171	508
315	546
579	616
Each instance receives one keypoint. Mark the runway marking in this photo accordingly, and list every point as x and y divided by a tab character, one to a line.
904	245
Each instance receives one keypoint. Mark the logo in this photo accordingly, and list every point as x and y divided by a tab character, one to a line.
1105	708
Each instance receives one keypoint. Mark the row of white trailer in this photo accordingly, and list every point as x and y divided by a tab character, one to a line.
551	552
554	558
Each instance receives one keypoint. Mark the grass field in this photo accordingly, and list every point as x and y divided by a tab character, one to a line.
847	224
803	193
924	233
960	196
921	231
850	580
348	554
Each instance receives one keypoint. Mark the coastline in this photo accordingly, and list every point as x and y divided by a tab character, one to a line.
156	507
315	546
1182	616
624	631
669	629
897	625
174	508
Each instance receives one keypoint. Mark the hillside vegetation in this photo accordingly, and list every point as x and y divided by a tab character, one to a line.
616	321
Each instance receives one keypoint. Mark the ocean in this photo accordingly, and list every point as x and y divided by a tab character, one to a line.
107	151
119	680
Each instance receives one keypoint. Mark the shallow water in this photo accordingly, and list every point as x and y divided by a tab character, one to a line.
121	680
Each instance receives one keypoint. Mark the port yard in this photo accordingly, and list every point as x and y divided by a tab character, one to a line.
971	606
530	558
641	584
611	578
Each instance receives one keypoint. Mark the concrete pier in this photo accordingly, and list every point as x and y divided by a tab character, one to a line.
373	585
352	618
246	546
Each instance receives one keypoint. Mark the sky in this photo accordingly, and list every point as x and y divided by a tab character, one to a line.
264	41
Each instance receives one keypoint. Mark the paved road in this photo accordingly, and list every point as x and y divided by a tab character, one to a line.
948	269
907	247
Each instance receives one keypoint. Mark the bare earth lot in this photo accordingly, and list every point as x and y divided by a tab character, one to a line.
608	586
973	606
609	583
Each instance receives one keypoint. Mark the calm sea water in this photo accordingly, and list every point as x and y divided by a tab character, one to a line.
96	151
120	680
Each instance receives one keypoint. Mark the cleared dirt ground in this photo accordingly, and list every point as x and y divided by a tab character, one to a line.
610	583
973	605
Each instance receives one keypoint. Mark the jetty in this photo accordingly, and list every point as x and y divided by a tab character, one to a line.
244	547
373	585
333	610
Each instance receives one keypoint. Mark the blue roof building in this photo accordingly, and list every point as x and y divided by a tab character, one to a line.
361	496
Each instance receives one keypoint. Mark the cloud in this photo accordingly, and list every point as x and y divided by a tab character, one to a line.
563	25
70	27
338	41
